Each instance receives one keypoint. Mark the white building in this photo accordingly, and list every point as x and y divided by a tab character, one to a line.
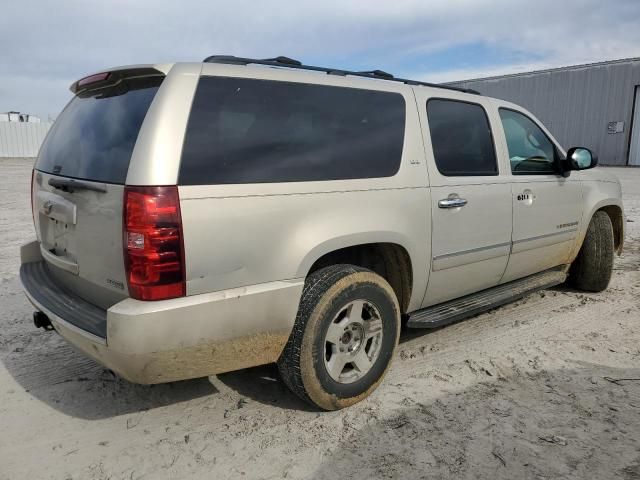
18	117
21	134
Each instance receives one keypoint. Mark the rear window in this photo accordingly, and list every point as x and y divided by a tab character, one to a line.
94	136
259	131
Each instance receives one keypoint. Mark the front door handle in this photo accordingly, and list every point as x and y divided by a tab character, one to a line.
454	202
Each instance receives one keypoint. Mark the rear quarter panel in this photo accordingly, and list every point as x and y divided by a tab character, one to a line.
238	241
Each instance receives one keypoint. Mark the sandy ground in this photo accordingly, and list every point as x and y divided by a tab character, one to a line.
525	391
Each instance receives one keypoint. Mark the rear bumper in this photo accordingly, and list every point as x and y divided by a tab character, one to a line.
163	341
42	289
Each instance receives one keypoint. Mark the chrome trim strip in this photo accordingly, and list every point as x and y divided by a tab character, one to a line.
530	239
472	250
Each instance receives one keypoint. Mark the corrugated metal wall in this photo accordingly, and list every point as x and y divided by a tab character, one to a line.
22	139
577	104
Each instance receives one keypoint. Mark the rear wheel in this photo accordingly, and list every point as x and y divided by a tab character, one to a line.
344	336
592	268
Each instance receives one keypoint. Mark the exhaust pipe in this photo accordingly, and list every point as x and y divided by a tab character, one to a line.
40	320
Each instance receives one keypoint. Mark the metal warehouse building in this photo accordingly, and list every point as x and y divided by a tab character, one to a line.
595	106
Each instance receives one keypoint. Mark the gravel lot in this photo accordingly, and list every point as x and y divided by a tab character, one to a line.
529	390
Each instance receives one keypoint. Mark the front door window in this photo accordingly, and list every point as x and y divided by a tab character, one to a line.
530	150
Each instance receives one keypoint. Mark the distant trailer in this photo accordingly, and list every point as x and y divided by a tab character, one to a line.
595	105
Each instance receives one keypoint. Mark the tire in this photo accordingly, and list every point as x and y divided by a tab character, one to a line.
592	268
342	307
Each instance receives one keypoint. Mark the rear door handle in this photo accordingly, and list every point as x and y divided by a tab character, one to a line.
454	202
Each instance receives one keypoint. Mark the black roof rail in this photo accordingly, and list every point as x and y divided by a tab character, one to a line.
296	64
379	73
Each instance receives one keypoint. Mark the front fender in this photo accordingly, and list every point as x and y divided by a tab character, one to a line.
598	195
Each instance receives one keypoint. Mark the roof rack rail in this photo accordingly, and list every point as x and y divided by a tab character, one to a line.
296	64
379	73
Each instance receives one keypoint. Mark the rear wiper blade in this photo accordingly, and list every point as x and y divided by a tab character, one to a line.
69	185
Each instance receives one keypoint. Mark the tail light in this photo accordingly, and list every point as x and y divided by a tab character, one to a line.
153	243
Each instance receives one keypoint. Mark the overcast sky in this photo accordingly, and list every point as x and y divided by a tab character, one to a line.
48	45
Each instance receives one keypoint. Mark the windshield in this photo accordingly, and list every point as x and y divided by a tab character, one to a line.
93	138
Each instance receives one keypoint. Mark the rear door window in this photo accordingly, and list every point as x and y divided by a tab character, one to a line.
461	138
260	131
93	138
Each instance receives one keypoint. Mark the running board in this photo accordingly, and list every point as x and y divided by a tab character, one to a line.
460	308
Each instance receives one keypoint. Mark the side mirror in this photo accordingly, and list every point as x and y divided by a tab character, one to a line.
580	158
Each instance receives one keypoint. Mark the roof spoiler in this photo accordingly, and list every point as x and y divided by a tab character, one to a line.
112	77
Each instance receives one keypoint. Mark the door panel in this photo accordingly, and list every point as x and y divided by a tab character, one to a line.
547	206
470	196
546	212
470	244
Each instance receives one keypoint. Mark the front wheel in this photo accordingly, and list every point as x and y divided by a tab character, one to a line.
344	337
592	268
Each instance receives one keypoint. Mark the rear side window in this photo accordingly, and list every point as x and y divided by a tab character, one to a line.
93	138
461	138
259	131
